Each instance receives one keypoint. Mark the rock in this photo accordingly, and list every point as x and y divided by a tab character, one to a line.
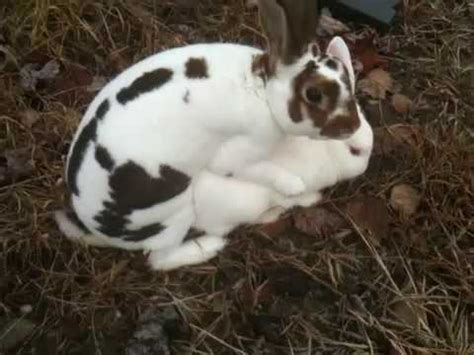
151	337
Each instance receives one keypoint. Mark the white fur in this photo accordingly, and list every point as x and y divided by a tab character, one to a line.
223	203
337	48
158	128
189	253
231	108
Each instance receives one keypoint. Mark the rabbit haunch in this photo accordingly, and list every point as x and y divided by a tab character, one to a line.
151	130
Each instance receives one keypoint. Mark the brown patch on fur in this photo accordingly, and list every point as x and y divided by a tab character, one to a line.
196	68
343	124
145	83
318	113
345	79
332	63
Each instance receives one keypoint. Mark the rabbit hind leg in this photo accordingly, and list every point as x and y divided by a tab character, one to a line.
191	252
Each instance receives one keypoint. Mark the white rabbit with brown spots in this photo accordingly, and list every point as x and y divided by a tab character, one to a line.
149	132
222	203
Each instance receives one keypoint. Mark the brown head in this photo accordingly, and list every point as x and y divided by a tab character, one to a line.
309	93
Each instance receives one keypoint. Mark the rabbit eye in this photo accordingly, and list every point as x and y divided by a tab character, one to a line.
313	95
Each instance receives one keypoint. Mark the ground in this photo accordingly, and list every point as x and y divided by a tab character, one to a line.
383	265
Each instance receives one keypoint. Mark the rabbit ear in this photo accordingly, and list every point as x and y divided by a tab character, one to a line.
338	48
289	26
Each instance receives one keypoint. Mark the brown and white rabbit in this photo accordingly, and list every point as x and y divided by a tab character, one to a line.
149	132
222	203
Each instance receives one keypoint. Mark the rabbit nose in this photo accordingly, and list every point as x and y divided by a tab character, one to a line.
355	151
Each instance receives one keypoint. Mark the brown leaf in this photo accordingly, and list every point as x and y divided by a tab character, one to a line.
380	113
396	139
274	228
406	309
98	82
370	213
330	26
377	83
405	199
318	221
401	103
407	312
366	53
140	12
119	60
29	117
19	163
70	88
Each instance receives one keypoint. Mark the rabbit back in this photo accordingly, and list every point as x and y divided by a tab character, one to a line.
150	130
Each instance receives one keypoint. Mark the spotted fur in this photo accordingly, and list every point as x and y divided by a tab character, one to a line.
132	188
155	127
87	136
147	82
196	68
104	158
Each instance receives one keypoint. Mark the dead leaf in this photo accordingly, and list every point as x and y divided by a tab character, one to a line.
328	25
406	309
318	221
70	88
29	117
377	83
401	103
405	199
364	51
140	12
274	228
119	60
396	139
98	82
19	163
369	213
405	313
31	73
380	113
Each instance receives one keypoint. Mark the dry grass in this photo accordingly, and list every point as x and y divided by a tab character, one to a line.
285	292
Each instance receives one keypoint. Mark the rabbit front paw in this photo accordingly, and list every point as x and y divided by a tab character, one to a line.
289	185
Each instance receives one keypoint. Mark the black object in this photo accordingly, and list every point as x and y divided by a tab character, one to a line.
377	13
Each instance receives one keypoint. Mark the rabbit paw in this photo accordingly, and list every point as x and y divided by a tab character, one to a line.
289	185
